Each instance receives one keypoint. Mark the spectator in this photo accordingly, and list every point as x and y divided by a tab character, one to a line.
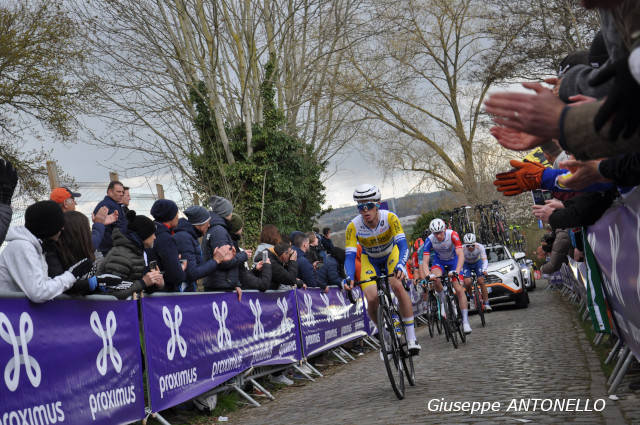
127	258
269	237
115	192
306	272
65	198
101	219
284	267
8	182
23	266
165	249
126	198
560	249
260	276
227	274
186	236
326	241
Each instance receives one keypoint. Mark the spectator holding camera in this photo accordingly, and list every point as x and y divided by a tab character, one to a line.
23	266
186	237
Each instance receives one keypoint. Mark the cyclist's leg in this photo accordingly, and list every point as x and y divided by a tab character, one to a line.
406	308
483	288
368	271
436	270
466	272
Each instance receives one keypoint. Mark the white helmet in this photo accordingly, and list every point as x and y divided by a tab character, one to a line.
469	238
437	225
366	192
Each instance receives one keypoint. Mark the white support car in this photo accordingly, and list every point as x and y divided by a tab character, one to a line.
505	281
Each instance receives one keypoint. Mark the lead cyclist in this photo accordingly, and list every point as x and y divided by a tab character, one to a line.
384	250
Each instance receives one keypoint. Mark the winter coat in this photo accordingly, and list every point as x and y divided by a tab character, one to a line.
227	275
254	279
306	272
23	268
186	237
106	243
5	220
328	272
282	274
126	258
165	251
97	234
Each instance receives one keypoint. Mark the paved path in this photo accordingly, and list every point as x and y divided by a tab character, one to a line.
536	353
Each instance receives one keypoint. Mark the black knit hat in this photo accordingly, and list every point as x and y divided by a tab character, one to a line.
140	225
164	210
44	219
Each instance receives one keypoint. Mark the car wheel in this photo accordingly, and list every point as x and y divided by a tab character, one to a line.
522	299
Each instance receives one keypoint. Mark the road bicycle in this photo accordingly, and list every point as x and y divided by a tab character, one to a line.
393	338
432	314
476	295
452	324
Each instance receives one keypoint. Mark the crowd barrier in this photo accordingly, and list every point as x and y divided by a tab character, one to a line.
79	361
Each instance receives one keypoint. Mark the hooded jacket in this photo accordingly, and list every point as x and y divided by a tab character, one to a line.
23	268
282	274
227	275
186	237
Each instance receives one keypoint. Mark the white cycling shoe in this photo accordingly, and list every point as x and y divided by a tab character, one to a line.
414	347
466	327
487	307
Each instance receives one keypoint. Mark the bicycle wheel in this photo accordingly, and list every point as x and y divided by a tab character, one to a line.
407	358
458	320
479	304
390	347
451	322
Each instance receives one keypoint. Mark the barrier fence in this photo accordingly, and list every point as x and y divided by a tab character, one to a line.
78	361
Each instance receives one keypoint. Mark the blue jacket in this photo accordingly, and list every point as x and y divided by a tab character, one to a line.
165	251
186	237
328	273
306	272
106	243
97	233
227	275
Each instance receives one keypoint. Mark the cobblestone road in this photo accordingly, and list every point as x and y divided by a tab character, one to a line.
539	352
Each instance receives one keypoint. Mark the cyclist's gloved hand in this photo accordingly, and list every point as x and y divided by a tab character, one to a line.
400	271
620	104
8	181
347	285
81	268
525	176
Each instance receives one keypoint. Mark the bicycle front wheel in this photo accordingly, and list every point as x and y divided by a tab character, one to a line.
479	304
390	348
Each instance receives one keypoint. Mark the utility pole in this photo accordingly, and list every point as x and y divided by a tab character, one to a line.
52	172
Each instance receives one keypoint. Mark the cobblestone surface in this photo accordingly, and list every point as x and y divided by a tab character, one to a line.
534	353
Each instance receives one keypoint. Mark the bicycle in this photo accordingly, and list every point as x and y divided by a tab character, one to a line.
452	324
433	309
393	338
477	297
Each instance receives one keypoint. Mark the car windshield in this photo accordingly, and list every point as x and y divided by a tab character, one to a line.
497	253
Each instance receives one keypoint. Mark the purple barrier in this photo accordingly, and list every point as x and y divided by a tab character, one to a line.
615	242
81	359
328	320
197	342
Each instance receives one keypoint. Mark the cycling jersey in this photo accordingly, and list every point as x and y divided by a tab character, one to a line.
445	250
475	260
378	244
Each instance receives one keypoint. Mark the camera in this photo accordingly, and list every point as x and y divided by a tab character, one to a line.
265	255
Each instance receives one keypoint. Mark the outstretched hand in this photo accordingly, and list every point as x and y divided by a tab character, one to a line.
583	174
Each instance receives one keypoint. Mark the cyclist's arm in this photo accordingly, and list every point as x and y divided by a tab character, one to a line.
455	238
351	251
426	252
483	258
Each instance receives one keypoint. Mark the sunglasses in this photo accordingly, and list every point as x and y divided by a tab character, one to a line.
368	206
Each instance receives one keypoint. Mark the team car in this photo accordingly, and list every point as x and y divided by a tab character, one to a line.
505	282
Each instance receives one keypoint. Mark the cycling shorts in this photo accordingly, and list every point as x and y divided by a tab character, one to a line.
440	264
476	267
371	267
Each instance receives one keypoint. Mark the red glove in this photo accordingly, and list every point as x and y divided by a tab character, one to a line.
525	176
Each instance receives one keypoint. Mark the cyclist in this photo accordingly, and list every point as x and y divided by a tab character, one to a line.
414	262
384	250
447	251
475	259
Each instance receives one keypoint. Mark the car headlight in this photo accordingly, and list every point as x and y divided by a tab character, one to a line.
506	269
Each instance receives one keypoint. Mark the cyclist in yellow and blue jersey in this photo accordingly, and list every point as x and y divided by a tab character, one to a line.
384	250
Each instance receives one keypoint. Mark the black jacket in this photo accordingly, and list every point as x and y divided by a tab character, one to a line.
582	210
186	237
624	170
165	251
282	274
227	275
